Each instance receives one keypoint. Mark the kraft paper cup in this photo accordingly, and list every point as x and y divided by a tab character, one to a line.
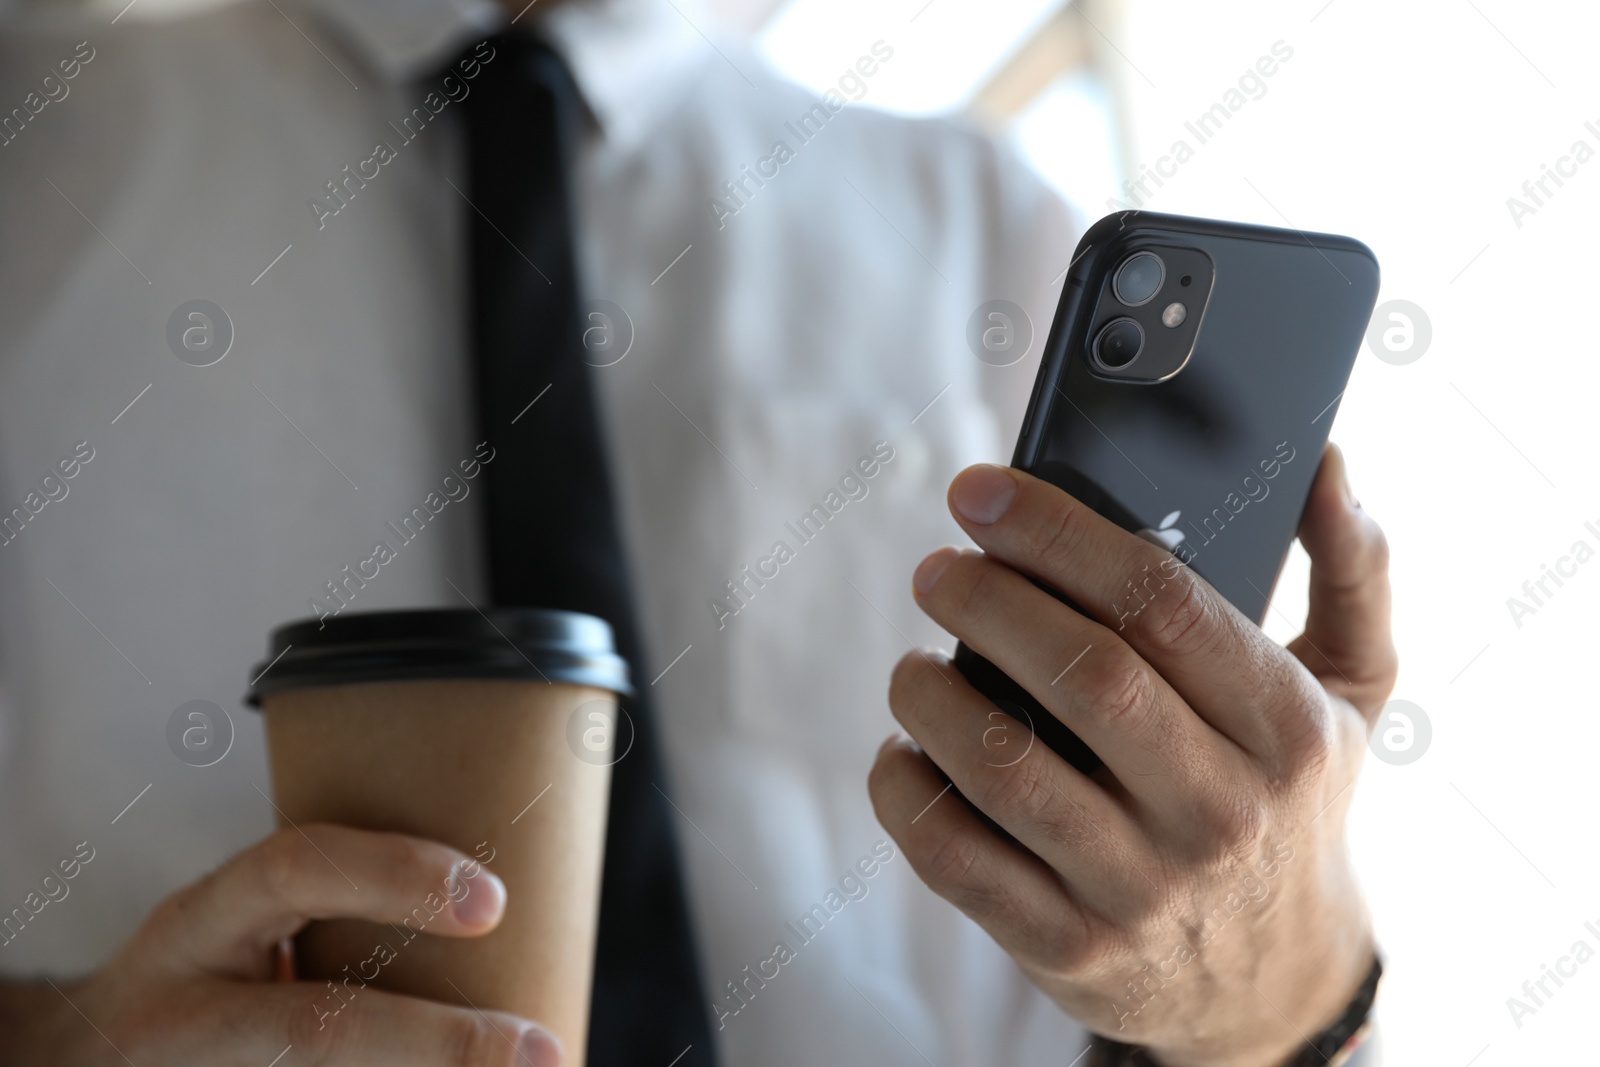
491	732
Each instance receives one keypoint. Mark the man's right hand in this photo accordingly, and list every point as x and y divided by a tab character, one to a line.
195	985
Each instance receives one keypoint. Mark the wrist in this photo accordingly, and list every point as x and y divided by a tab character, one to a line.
1329	1042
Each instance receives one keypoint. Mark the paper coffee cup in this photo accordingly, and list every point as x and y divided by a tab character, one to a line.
493	732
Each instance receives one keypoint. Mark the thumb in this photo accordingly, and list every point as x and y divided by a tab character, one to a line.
1347	642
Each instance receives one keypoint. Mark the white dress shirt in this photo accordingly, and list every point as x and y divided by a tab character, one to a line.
778	333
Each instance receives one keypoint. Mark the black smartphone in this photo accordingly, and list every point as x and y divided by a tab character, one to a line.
1185	393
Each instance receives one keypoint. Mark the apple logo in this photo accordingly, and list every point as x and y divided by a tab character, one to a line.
1164	535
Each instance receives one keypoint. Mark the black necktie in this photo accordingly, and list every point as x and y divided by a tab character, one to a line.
553	538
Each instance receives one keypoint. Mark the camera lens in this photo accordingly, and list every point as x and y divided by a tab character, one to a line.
1139	278
1118	343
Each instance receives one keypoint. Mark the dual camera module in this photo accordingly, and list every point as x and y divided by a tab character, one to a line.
1149	313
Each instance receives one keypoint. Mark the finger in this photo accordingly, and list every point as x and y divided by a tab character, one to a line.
1079	829
1222	665
1001	886
229	921
1347	642
359	1026
1085	675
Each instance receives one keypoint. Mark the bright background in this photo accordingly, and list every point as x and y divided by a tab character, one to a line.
1408	124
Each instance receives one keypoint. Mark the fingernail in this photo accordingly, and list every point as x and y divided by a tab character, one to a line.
983	493
538	1048
485	897
929	570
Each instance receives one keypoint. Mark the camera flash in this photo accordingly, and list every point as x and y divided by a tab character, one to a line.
1173	315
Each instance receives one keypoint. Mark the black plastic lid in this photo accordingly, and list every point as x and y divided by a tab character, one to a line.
532	644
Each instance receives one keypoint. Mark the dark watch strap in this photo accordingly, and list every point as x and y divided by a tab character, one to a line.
1331	1048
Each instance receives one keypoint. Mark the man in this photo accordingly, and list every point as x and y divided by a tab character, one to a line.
787	284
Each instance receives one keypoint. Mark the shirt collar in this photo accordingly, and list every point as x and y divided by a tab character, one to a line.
407	39
631	59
